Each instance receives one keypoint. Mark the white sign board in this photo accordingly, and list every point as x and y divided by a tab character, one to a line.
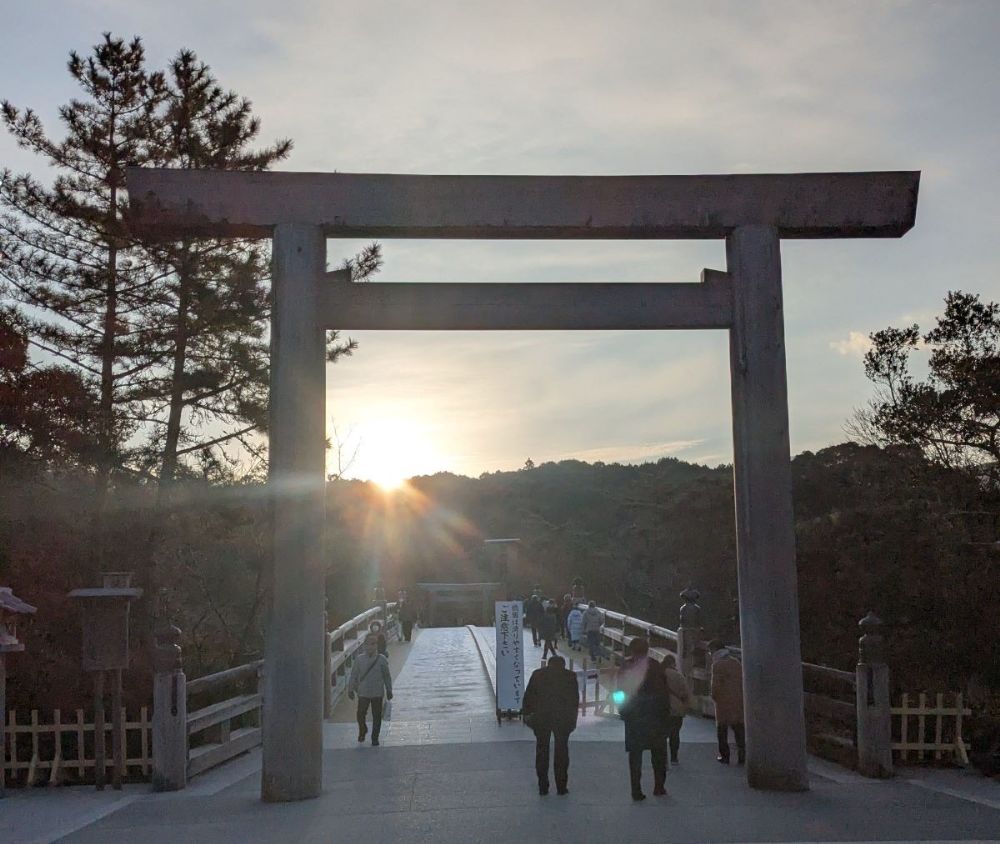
510	655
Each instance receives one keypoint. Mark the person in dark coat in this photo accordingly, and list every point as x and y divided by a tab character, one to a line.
407	615
645	710
533	612
549	708
548	629
564	610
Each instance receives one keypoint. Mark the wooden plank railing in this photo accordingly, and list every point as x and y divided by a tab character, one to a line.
227	720
211	682
829	698
343	644
222	730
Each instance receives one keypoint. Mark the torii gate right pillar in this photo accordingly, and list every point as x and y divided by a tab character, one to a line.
765	532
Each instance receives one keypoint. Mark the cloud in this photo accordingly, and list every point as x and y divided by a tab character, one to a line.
856	345
630	453
565	87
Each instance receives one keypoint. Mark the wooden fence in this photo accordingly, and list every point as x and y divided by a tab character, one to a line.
930	728
55	751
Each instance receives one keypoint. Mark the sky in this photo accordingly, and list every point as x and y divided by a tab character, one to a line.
593	88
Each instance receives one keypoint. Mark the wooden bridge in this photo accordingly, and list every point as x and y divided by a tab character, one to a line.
447	772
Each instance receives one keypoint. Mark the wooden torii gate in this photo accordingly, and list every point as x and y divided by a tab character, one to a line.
752	213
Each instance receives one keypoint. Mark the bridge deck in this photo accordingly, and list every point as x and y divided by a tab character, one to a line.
447	773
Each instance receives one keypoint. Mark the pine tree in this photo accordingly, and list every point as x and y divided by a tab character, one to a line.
173	337
217	307
213	314
67	255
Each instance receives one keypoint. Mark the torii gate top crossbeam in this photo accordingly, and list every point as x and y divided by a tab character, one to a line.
250	204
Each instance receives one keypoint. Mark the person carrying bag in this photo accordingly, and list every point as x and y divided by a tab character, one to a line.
370	680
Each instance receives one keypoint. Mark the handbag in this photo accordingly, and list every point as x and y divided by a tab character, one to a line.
387	711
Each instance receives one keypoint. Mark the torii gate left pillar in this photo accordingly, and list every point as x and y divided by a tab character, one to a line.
293	680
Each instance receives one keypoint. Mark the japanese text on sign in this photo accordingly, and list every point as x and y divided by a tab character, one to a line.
510	656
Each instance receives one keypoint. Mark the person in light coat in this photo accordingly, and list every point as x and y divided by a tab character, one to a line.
574	627
370	680
727	692
680	704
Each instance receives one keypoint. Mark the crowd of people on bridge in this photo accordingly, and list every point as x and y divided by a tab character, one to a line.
651	695
549	622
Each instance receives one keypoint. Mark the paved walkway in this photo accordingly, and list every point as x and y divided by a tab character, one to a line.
437	794
447	773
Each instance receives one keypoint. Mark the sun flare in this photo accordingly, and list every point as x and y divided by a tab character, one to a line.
389	450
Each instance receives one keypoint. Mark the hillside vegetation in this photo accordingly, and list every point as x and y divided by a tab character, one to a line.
876	529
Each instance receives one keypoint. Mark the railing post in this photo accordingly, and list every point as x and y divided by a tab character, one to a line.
170	740
689	633
327	655
873	702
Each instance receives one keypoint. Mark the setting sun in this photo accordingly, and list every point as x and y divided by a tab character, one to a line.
388	450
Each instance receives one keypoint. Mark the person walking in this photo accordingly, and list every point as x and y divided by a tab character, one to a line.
375	629
680	704
533	612
574	627
407	615
727	692
370	680
548	629
549	707
644	710
593	621
564	610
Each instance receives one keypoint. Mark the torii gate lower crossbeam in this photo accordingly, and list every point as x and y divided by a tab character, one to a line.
752	214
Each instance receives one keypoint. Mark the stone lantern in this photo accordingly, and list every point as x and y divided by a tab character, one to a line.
10	608
689	632
105	612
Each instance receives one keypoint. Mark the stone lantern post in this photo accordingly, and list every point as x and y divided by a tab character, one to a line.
689	631
170	739
105	612
873	701
10	608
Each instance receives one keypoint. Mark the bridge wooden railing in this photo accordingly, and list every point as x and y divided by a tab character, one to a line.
227	720
343	644
848	711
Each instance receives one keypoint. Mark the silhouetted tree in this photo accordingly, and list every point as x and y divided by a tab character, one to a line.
67	253
953	414
46	412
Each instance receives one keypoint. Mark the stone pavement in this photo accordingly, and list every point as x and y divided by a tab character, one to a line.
483	792
447	773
